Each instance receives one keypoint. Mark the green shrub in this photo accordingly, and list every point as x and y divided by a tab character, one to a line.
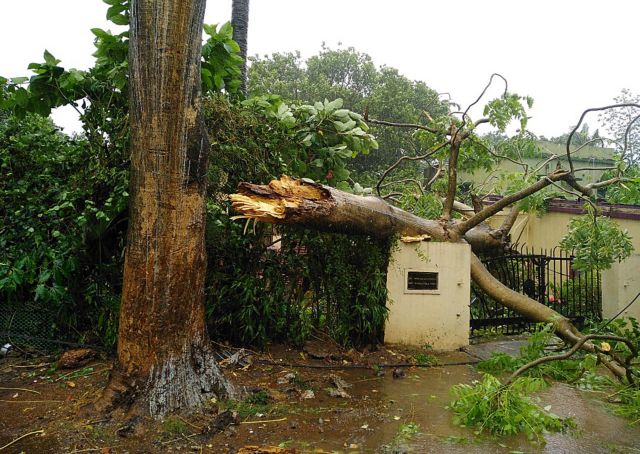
330	282
60	235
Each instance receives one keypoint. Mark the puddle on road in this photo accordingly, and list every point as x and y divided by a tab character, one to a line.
372	418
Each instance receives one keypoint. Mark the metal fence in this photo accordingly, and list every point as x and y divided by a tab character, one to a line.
29	328
545	276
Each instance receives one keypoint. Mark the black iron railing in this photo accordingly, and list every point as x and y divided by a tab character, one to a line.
547	277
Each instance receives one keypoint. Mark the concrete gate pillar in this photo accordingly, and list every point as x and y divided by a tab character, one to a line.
429	293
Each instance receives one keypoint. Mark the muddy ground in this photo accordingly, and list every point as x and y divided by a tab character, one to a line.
313	400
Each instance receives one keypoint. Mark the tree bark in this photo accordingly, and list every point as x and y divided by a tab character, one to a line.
240	24
165	361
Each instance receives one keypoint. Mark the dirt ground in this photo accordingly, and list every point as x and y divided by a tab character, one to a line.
316	399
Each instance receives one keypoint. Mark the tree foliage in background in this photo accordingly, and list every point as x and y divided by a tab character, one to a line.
352	76
582	137
61	234
623	122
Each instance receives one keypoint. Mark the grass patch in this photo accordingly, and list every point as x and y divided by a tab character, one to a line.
174	426
405	434
256	403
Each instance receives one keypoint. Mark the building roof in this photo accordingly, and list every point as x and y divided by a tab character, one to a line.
587	153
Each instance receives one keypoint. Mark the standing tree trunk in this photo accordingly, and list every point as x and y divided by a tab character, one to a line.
240	24
164	359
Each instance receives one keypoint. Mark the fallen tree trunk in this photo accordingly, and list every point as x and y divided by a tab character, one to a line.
292	201
311	205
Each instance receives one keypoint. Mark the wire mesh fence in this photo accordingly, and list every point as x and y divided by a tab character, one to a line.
28	328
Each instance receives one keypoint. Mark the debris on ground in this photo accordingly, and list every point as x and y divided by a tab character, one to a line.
72	359
288	378
241	358
308	394
320	350
293	414
338	388
222	420
265	450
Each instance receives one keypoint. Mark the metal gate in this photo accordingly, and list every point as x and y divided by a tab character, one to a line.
547	277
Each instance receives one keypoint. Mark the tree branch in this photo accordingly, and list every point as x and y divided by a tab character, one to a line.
452	171
577	346
524	166
405	180
593	109
626	136
489	211
408	158
509	220
555	156
436	176
400	125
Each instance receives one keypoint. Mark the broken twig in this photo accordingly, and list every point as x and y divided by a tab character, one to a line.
35	432
265	421
19	389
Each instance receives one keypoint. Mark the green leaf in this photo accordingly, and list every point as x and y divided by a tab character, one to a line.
19	80
120	19
232	47
341	174
50	59
343	186
226	31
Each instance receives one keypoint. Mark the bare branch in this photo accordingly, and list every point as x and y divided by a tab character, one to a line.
582	169
576	194
451	102
463	209
626	136
602	184
555	156
481	121
595	109
489	211
452	171
405	180
408	158
509	220
392	195
436	176
506	89
401	125
489	178
499	156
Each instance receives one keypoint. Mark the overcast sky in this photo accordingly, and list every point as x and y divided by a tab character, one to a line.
568	55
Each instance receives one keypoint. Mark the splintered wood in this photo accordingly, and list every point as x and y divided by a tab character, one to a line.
272	202
415	239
